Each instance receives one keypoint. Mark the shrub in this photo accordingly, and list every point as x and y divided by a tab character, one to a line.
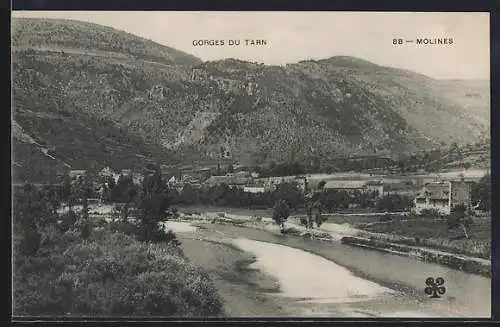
385	218
394	202
112	274
85	227
68	220
319	219
168	237
124	227
100	223
431	213
281	212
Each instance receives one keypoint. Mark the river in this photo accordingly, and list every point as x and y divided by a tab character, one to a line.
261	273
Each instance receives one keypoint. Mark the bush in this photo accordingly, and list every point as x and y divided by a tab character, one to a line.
319	219
85	227
124	227
111	274
474	248
394	202
281	212
168	237
68	220
431	213
100	223
385	218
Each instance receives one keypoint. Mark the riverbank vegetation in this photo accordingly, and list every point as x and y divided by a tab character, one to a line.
452	260
481	193
67	265
332	200
435	233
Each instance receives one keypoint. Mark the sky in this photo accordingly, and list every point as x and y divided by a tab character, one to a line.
296	36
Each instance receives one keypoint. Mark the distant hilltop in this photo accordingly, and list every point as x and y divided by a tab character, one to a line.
96	94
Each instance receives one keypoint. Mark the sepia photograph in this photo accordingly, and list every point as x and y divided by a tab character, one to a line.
183	164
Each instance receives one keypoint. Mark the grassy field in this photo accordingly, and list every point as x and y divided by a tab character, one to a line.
429	227
434	233
359	221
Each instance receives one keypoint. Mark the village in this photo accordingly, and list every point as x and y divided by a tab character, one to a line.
158	172
428	193
420	213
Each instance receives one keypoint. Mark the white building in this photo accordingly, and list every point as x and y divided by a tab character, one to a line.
126	172
254	175
172	181
74	174
254	189
137	178
356	185
271	183
345	185
106	172
443	196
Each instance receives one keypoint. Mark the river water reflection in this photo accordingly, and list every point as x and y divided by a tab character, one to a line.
330	277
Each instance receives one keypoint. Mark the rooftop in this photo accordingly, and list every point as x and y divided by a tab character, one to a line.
435	191
345	184
375	183
77	172
228	180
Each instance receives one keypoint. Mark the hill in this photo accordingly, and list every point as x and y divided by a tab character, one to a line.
60	124
343	105
93	93
71	35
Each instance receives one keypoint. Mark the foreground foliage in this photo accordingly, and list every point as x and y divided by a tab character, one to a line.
436	233
68	265
110	274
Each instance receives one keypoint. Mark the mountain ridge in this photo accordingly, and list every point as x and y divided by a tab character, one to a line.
29	32
183	109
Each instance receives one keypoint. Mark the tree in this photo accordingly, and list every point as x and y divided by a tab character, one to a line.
290	193
281	212
52	196
33	212
460	218
68	220
84	190
481	193
316	164
153	203
315	204
66	189
108	184
189	195
454	148
319	219
331	200
394	202
121	191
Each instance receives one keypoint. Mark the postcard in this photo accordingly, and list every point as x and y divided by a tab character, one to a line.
251	164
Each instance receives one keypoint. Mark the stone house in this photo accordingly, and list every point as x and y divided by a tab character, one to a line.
443	196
